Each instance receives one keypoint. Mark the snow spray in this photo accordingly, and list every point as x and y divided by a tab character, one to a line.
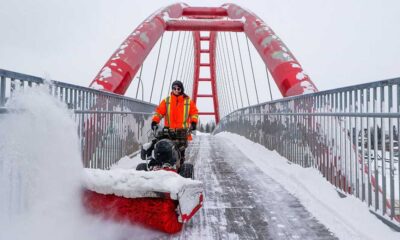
41	173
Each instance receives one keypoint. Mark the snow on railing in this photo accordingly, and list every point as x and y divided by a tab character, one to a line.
351	135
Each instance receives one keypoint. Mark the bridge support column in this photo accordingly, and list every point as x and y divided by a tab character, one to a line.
207	66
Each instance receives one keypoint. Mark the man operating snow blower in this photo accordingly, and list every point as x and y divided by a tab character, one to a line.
162	200
179	112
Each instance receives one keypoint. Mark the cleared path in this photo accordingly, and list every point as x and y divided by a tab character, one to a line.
242	202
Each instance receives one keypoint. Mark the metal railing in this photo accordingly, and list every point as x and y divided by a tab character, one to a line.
351	135
110	126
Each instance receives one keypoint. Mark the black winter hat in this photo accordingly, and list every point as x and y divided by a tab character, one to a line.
178	84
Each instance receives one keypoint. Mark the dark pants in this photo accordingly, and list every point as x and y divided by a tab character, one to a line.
182	156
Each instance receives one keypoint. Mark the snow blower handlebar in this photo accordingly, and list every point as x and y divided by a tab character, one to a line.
177	135
173	133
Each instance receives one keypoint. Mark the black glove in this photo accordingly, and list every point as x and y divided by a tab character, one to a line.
193	126
154	125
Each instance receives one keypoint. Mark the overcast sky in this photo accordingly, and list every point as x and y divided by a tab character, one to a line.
338	42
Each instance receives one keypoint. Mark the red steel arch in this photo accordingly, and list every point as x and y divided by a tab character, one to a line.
118	72
285	69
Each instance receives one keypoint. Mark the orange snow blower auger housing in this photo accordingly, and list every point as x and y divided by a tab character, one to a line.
163	196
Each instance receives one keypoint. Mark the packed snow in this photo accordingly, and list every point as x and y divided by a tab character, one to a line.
347	218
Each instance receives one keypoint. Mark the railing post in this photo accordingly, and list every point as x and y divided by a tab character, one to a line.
2	91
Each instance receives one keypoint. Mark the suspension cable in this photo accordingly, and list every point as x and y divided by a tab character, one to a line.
228	59
190	73
140	81
226	82
221	83
221	97
185	59
225	72
190	68
269	84
252	70
230	104
231	77
237	74
220	93
221	86
173	64
186	66
155	72
218	87
191	76
166	66
141	84
185	75
180	56
241	63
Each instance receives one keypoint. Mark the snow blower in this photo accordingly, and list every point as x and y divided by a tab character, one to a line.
160	194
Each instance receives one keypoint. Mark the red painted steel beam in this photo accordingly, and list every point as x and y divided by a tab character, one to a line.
205	25
205	95
205	11
285	69
116	75
197	53
212	78
214	92
206	113
118	72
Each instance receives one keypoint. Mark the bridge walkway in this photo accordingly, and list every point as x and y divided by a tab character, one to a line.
241	201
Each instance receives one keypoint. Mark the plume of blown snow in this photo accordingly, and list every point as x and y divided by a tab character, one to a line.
41	174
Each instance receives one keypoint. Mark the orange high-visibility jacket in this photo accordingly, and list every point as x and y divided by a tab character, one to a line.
177	111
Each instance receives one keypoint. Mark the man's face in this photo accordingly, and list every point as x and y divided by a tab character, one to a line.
176	90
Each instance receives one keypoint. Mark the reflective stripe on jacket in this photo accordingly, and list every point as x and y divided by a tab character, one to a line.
177	111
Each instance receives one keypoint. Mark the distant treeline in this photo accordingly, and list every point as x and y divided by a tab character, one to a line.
207	128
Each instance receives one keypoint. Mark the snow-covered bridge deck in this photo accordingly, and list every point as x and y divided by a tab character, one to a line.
253	193
242	202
